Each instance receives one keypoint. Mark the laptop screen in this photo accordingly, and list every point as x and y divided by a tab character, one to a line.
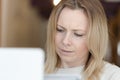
21	64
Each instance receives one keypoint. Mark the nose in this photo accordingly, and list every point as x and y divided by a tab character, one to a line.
67	40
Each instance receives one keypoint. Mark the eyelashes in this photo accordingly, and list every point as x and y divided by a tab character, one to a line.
79	35
62	31
59	30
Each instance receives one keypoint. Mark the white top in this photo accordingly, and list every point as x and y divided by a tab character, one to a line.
110	72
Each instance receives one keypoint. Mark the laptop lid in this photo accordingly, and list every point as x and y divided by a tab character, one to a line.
21	64
62	77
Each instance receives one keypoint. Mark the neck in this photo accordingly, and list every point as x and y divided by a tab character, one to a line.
72	64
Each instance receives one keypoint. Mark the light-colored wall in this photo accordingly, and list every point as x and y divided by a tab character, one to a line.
21	26
0	22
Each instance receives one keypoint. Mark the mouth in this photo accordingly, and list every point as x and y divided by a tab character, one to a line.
66	51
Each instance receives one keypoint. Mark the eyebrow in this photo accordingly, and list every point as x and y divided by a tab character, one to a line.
72	30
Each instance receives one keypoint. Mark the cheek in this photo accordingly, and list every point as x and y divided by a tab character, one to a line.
58	39
81	46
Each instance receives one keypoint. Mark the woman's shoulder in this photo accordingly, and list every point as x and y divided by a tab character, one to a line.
110	66
110	72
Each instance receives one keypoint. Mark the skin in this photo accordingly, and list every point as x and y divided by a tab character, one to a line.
70	39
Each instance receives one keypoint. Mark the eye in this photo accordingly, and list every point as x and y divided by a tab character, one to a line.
59	30
78	35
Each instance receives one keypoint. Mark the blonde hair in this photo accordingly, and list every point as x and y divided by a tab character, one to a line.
97	36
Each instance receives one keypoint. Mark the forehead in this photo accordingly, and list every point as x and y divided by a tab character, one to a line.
73	18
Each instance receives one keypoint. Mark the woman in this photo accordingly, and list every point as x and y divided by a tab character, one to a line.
77	40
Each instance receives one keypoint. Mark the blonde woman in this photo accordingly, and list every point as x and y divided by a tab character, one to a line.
77	38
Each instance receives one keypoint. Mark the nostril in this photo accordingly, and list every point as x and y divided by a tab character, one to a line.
66	40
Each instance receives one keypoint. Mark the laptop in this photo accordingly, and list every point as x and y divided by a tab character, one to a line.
21	64
62	77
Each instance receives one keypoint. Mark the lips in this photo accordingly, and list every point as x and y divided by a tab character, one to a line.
66	51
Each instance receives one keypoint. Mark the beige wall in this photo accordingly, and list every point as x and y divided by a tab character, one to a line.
21	26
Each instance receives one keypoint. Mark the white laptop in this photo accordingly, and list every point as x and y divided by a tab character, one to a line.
21	64
62	77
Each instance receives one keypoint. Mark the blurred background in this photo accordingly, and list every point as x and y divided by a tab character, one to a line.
23	24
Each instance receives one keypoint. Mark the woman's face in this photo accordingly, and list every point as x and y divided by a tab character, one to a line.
70	39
